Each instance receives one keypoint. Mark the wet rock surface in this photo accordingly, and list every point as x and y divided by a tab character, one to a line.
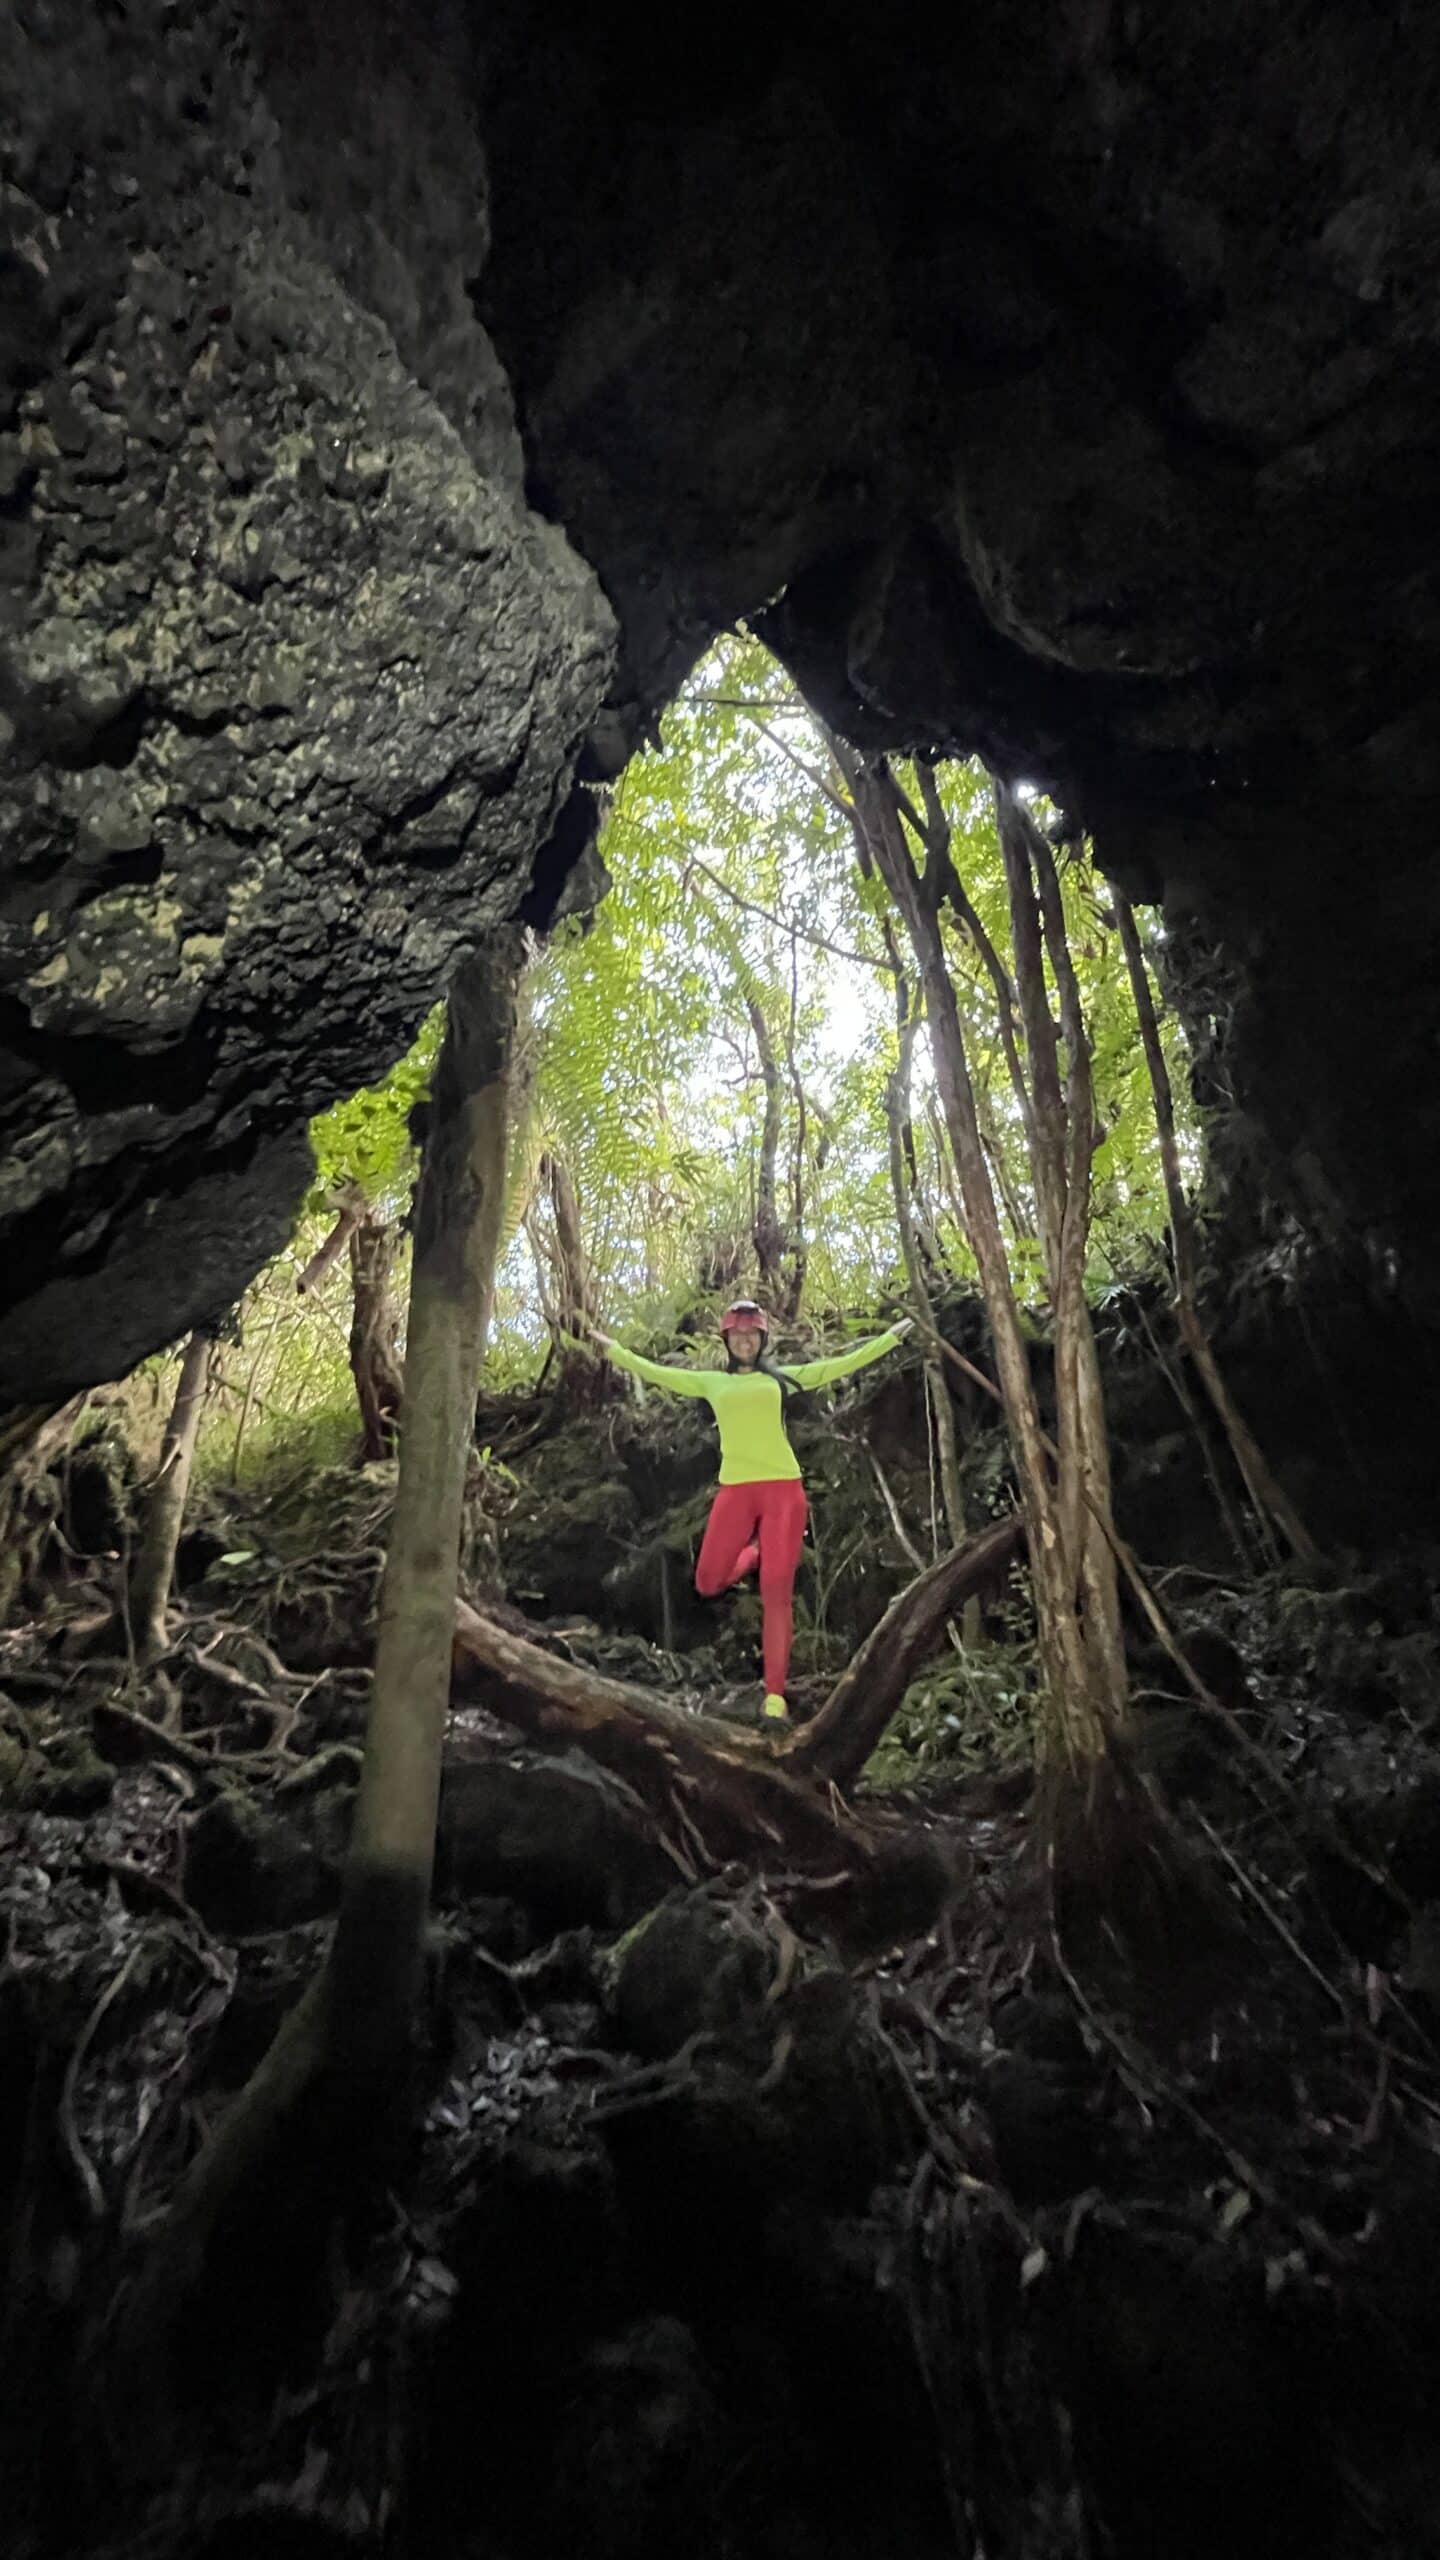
577	1840
1108	460
1114	477
292	683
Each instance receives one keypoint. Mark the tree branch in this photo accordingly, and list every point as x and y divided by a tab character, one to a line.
825	789
782	924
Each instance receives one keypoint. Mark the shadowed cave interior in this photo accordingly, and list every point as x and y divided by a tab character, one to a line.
392	414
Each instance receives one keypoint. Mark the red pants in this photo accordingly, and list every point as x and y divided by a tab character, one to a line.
762	1524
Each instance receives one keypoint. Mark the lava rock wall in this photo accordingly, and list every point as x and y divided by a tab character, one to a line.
1057	383
1063	374
292	683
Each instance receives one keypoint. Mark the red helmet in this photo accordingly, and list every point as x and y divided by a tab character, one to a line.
743	1316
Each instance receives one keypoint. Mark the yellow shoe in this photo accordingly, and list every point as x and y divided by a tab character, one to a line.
775	1706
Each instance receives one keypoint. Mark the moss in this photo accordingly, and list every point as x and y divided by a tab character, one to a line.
14	1758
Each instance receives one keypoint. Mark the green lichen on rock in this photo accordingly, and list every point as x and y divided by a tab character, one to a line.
294	682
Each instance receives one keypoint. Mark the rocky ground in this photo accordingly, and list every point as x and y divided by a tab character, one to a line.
736	2220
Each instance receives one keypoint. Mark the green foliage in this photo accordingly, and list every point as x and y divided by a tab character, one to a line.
972	1713
736	892
736	888
364	1143
285	1398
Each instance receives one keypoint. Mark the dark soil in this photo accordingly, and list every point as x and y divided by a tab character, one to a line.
715	2232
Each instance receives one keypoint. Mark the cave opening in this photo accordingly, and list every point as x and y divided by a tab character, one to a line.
718	753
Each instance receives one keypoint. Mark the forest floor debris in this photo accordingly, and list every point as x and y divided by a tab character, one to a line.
707	2197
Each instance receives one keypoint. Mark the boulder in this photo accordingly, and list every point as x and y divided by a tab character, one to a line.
561	1836
247	1869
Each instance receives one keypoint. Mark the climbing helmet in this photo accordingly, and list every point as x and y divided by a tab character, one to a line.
743	1316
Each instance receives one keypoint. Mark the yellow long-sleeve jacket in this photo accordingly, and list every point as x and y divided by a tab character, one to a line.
748	1405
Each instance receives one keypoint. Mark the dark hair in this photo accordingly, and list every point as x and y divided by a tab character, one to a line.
767	1368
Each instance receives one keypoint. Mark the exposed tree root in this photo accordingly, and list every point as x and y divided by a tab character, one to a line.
727	1793
239	2189
723	1793
252	2213
837	1743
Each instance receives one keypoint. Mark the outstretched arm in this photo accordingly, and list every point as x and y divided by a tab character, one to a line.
823	1373
676	1382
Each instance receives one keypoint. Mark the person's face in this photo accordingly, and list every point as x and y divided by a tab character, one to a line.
745	1342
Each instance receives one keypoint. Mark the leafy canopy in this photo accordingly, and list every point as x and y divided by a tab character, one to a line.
738	932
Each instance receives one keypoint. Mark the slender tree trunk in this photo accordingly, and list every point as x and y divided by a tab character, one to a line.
1081	1424
1173	1372
797	1256
375	1963
654	1202
577	1302
573	1306
1080	1712
334	2076
322	1262
542	1255
1022	1224
375	1337
897	1112
155	1564
769	1231
1268	1495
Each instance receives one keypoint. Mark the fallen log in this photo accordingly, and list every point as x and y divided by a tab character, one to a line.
719	1794
722	1791
836	1743
863	1882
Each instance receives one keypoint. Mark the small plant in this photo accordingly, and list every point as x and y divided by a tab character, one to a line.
973	1712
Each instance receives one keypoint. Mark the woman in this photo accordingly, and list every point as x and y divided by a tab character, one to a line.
758	1514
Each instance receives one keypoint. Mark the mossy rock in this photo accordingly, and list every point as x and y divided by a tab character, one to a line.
681	1971
100	1494
559	1552
565	1839
249	1870
17	1766
76	1780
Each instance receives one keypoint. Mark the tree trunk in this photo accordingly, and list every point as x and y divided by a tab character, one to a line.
1268	1495
1078	1711
897	1113
769	1232
709	1786
576	1305
331	2085
375	1962
1070	1146
322	1262
375	1337
798	1255
701	1777
1022	1223
155	1564
543	1257
836	1744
